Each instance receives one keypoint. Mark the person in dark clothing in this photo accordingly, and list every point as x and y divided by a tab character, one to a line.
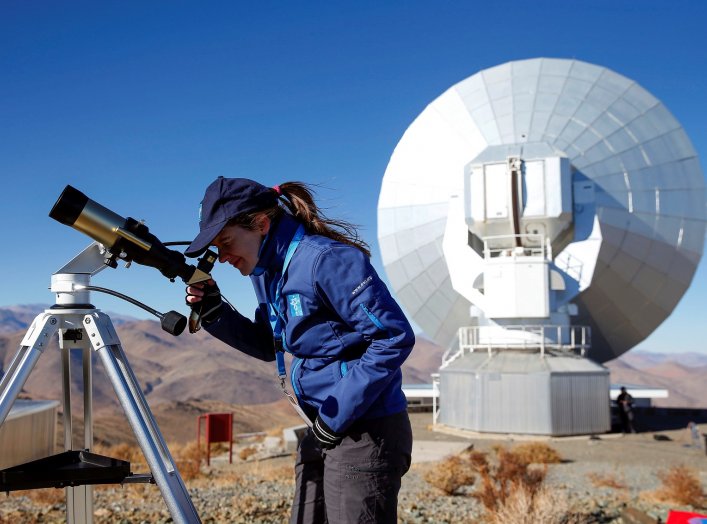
625	404
320	300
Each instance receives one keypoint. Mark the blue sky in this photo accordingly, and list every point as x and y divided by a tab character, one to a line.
140	105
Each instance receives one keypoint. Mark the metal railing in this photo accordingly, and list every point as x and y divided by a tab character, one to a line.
435	397
531	337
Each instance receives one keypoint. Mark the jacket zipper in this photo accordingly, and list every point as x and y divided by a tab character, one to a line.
376	321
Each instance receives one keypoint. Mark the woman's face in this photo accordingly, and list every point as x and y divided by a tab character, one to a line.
239	246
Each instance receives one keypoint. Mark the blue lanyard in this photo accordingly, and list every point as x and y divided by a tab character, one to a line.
277	316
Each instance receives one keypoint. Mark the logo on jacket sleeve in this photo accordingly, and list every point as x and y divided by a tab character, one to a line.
295	304
362	285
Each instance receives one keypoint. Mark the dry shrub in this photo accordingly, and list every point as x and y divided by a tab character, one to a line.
543	506
495	480
537	453
247	452
508	485
680	485
507	474
188	459
606	480
451	474
122	451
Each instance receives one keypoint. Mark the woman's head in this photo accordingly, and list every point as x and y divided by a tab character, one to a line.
240	212
240	246
227	199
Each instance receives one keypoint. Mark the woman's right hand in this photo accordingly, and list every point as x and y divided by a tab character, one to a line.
195	292
205	299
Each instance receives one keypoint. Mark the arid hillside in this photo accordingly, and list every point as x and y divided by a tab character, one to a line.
180	368
183	377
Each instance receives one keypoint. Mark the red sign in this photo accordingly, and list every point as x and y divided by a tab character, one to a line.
685	517
219	428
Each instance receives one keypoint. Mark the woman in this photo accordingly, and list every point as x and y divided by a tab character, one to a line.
320	300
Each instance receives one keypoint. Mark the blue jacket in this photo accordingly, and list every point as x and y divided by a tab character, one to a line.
346	333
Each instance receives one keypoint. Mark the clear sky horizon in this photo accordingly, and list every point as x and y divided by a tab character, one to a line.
141	105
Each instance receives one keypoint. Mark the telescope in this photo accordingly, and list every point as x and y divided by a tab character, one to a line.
124	238
130	240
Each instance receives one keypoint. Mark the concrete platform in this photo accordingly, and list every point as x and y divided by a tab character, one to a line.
432	450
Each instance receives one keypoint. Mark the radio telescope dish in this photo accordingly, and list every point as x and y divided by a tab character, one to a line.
629	225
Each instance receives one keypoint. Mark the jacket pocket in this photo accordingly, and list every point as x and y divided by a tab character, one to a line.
375	320
294	371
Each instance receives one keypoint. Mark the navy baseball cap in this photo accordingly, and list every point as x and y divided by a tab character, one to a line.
227	198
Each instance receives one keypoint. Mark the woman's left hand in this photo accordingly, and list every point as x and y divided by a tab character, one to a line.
327	437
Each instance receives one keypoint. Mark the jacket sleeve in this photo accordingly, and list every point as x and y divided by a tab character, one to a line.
253	338
347	282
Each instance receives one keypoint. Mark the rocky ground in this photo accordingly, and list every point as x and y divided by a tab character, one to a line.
259	489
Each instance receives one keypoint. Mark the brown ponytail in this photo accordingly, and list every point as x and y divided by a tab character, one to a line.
298	199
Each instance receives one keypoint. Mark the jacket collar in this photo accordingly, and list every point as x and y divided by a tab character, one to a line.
275	244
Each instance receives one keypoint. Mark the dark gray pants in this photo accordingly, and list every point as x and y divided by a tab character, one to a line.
357	481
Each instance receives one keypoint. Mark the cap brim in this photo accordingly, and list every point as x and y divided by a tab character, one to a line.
203	241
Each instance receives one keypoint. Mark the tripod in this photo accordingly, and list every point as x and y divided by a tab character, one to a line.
81	326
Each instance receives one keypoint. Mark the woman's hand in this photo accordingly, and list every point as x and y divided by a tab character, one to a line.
326	437
205	299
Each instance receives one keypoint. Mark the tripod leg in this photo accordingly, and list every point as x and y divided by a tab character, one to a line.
105	341
33	344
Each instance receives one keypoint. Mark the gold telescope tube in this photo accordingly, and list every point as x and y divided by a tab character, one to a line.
76	210
125	238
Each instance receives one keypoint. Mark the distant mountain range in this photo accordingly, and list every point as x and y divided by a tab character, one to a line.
181	377
198	370
16	318
171	368
682	374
